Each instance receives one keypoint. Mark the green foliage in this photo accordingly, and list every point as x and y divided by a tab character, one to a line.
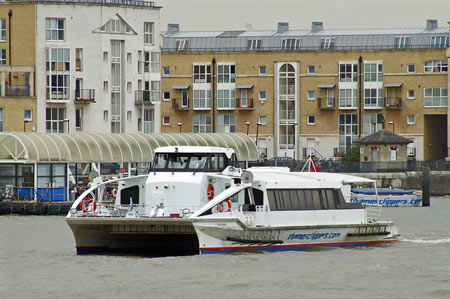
351	154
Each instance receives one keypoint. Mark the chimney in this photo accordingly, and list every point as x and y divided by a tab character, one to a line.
283	27
432	24
173	28
316	27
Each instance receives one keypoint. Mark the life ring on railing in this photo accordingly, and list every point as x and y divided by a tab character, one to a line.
88	205
224	206
210	191
114	192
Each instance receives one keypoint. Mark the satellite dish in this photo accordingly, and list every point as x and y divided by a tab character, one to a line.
247	177
93	174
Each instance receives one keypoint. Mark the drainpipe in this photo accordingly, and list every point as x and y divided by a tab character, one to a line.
9	34
360	96
213	94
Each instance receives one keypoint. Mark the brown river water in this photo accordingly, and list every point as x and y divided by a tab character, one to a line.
38	260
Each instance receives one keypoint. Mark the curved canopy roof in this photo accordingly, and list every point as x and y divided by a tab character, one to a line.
91	147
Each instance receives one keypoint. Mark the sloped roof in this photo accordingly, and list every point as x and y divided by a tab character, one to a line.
384	137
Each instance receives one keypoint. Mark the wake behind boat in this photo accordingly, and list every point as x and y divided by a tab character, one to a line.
197	200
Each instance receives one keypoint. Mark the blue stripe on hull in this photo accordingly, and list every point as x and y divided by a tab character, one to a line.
281	248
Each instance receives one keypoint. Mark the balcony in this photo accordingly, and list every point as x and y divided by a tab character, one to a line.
147	97
84	96
177	104
326	103
17	91
393	102
244	104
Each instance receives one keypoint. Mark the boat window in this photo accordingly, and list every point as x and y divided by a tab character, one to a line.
129	194
217	162
197	162
258	195
301	199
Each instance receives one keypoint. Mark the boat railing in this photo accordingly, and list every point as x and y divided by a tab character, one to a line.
373	212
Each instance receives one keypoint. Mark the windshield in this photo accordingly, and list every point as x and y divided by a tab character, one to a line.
212	162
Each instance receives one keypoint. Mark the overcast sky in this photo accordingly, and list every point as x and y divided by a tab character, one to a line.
207	15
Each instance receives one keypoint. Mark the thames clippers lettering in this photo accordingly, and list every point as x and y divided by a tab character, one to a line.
314	236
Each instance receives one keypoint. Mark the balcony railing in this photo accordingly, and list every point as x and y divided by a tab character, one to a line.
180	105
147	96
17	91
326	103
393	102
84	96
245	104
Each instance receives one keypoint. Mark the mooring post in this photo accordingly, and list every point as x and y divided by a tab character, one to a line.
426	187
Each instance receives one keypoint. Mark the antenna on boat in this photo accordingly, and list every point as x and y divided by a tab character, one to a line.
311	164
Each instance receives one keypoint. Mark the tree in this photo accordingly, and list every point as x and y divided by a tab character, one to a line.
351	154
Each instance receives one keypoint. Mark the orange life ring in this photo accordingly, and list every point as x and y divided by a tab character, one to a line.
114	192
86	206
210	191
221	209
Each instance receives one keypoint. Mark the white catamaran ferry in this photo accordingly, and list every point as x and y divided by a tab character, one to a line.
197	200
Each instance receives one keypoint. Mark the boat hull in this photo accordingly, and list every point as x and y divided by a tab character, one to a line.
227	236
149	237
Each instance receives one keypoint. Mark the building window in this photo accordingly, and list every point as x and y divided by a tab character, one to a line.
348	72
78	60
166	120
202	99
155	92
410	94
226	98
226	123
435	66
253	44
393	154
3	57
129	56
348	98
226	73
411	119
182	44
105	57
129	87
262	95
105	115
287	80
290	44
156	62
146	62
105	86
402	42
166	70
286	138
28	115
202	73
58	74
263	120
373	122
439	41
373	72
166	96
311	94
54	29
311	69
79	119
411	68
148	32
327	43
311	120
148	120
1	120
54	120
435	97
202	123
2	30
348	130
373	98
263	70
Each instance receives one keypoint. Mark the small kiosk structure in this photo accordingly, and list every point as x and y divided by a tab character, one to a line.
383	151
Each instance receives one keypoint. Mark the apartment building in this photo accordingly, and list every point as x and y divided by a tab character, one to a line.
88	66
317	90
